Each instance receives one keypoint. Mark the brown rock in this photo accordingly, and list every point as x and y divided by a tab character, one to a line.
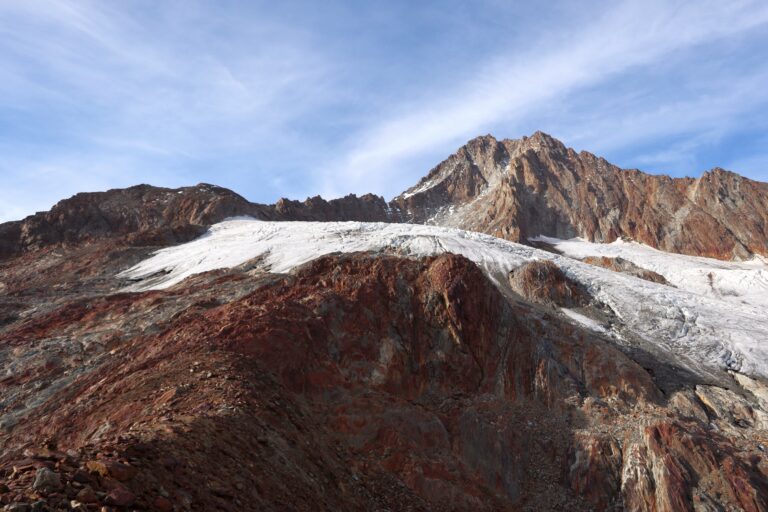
120	496
519	189
162	504
114	469
87	495
626	267
543	282
146	215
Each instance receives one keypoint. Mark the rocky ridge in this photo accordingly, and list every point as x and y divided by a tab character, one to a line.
144	215
515	189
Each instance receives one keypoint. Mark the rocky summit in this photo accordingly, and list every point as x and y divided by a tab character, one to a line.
520	189
451	350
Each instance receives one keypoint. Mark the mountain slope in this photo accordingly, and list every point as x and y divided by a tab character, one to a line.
158	354
398	378
147	215
700	333
519	189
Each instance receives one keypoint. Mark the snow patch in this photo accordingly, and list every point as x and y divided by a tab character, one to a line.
419	189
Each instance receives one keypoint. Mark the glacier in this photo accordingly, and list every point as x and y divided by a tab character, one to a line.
693	326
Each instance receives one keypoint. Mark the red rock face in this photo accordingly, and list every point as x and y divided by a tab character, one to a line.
151	216
518	189
543	282
360	383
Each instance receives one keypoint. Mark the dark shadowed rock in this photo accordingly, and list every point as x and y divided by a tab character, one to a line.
46	480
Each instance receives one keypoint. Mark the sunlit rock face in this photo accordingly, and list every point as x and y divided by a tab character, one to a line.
519	189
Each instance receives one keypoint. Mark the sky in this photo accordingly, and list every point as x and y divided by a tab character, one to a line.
299	98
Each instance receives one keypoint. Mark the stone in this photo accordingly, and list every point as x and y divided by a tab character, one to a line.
82	476
87	495
18	507
162	504
626	267
115	469
120	496
46	480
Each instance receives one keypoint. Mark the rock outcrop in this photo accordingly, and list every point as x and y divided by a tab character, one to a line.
542	282
625	266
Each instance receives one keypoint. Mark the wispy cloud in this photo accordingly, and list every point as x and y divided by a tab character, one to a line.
667	133
86	86
508	88
297	98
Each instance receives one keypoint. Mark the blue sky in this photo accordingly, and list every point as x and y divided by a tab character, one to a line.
298	98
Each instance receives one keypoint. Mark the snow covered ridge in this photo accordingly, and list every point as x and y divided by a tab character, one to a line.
698	331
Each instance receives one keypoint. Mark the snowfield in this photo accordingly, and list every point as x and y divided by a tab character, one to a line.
738	282
696	328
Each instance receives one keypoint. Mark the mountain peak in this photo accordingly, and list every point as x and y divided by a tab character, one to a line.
720	172
539	135
521	188
541	140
